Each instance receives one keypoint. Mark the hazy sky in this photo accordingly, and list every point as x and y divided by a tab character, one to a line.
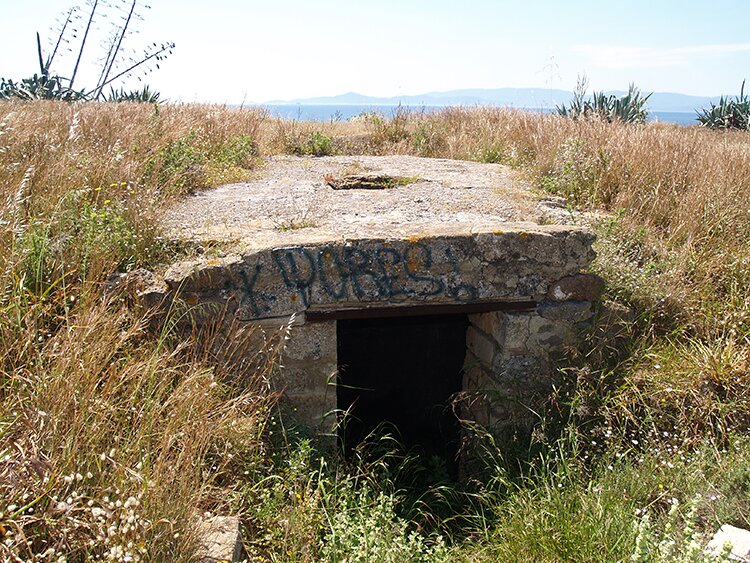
234	50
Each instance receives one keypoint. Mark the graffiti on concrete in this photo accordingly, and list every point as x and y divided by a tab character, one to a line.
355	273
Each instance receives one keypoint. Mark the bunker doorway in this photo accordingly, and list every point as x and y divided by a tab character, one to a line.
401	373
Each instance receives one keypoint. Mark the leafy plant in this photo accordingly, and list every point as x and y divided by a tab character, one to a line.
318	144
365	527
630	108
44	87
679	542
729	113
236	151
179	163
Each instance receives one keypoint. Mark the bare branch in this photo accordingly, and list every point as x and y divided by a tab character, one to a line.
83	44
117	48
164	48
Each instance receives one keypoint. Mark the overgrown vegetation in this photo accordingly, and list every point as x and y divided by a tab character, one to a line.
115	435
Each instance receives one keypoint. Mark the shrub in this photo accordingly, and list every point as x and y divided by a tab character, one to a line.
237	151
630	108
729	113
319	144
180	164
316	144
365	528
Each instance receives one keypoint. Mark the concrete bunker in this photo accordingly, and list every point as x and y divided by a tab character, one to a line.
406	308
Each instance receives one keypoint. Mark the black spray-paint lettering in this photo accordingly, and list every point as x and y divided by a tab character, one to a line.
329	260
258	299
360	266
414	264
389	260
463	291
383	272
296	276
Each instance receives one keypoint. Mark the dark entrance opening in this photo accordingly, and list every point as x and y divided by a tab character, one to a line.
403	371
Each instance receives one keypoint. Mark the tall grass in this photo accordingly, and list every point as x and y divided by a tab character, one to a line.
116	434
112	436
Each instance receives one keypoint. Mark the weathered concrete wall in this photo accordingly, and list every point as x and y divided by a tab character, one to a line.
514	264
510	366
308	376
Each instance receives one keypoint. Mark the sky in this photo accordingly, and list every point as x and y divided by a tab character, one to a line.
254	51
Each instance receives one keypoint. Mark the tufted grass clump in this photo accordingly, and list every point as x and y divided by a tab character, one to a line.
113	438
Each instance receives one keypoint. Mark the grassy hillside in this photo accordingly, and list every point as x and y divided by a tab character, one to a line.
115	433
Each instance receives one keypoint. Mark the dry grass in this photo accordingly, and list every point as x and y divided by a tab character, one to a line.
96	410
113	439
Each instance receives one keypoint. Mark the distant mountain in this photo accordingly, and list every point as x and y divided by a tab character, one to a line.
514	97
534	98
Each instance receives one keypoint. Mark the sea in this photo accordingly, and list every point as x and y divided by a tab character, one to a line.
345	112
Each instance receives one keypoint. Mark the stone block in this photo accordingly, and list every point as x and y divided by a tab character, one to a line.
569	311
491	324
547	336
311	342
220	540
314	409
477	376
578	287
280	323
481	345
200	275
739	538
516	334
303	377
519	371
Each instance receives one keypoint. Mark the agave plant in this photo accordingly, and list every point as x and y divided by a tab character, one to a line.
146	95
729	113
38	87
114	64
630	108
